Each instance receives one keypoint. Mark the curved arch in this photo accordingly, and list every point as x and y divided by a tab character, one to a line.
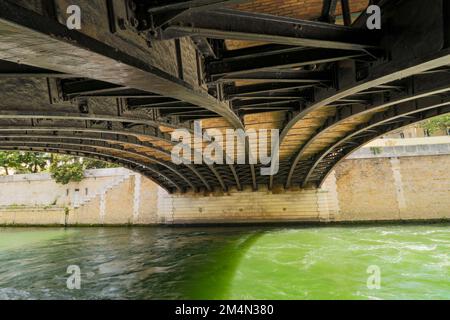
160	136
378	76
433	85
5	114
52	46
134	166
62	146
117	139
411	117
126	133
89	142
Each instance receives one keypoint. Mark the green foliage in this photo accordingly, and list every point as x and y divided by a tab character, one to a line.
437	123
65	169
23	162
97	164
7	161
376	150
31	162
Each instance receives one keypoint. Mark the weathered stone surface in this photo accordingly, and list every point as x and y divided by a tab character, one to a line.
359	190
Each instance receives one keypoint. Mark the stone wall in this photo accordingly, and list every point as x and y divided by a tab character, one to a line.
390	179
394	181
394	188
299	9
106	196
245	207
377	189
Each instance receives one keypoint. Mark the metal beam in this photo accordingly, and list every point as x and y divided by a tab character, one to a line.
240	25
257	51
149	128
110	159
162	14
236	177
171	5
8	114
106	145
291	59
380	76
89	87
297	76
243	91
281	95
97	134
204	47
410	108
14	70
264	103
67	116
186	112
218	177
403	62
51	45
416	87
60	147
123	93
160	102
346	13
328	11
418	117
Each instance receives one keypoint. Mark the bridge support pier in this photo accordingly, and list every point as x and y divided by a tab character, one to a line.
302	205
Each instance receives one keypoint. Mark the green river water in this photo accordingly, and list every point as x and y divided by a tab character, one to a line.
227	263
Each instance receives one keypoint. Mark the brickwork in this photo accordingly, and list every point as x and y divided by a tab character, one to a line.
301	9
389	188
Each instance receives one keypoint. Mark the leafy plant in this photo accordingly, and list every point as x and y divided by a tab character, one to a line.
97	164
437	123
65	169
23	162
376	150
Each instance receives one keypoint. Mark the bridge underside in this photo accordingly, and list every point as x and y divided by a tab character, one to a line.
138	70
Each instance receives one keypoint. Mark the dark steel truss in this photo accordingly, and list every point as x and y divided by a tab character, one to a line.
118	87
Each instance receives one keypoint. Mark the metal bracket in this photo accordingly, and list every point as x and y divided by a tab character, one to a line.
55	92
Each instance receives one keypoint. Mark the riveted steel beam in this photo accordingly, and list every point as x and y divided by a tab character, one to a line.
97	134
414	88
170	5
89	152
41	42
328	11
406	59
399	116
290	59
9	69
244	91
101	143
299	76
249	26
